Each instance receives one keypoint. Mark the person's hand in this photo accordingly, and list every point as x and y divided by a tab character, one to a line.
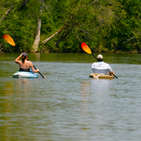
37	70
111	73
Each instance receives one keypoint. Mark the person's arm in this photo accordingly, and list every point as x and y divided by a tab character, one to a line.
111	71
17	60
33	69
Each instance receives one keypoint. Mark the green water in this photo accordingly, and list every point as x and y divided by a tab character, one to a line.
68	105
83	58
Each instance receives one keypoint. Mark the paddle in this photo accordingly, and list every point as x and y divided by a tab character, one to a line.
88	50
40	72
10	40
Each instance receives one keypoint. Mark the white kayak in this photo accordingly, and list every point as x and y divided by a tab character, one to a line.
24	74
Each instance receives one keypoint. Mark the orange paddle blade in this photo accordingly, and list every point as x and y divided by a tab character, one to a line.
9	39
86	48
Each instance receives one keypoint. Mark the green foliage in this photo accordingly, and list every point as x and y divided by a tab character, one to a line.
113	25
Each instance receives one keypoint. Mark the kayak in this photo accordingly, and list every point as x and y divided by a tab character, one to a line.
101	76
24	74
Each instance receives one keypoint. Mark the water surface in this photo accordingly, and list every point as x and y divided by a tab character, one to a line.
68	105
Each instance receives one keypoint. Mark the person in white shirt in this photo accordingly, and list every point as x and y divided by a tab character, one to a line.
100	67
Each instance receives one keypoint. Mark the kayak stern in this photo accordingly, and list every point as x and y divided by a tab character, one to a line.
101	76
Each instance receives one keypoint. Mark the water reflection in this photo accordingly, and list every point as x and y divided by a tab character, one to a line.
14	108
72	57
98	110
5	107
84	109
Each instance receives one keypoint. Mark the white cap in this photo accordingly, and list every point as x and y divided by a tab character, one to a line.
99	56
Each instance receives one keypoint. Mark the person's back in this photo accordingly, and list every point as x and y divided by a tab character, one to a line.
24	63
101	67
25	66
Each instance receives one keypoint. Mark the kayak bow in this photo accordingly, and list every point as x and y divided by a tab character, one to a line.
23	74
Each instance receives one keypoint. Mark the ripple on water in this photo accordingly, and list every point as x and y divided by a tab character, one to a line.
70	106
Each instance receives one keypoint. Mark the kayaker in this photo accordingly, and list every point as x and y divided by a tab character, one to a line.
100	67
24	63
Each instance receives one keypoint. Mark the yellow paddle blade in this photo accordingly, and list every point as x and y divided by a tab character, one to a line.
9	39
86	48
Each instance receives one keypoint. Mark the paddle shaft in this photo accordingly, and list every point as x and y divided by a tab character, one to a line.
115	76
40	73
94	55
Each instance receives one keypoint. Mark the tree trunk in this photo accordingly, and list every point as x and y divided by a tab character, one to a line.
50	37
37	38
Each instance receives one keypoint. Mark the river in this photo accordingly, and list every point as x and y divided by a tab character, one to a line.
68	105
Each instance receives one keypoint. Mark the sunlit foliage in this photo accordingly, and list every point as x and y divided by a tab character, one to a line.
106	26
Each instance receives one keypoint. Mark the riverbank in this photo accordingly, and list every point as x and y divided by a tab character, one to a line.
120	58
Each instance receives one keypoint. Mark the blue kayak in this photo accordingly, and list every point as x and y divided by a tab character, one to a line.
23	74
